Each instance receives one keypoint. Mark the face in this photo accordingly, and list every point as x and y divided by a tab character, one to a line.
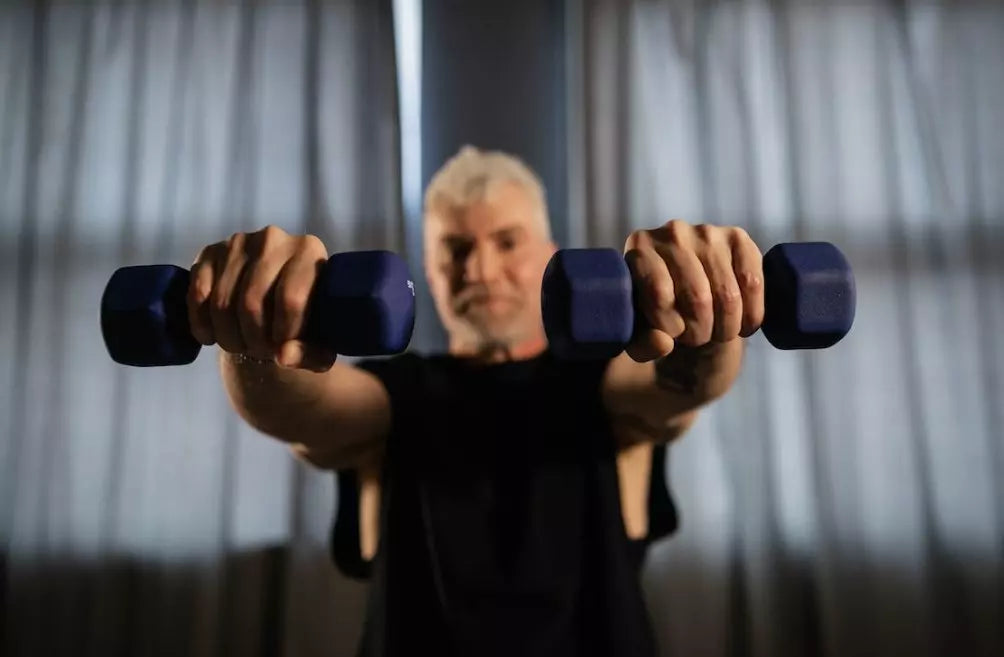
485	263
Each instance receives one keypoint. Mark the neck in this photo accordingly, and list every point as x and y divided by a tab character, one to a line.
497	352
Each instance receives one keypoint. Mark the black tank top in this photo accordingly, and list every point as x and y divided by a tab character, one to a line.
501	530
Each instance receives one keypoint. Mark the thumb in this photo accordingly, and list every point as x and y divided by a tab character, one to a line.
649	344
297	354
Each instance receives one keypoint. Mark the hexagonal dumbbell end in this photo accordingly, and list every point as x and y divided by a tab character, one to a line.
362	304
144	316
810	295
586	302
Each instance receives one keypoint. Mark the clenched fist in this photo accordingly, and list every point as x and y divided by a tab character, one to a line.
249	295
694	285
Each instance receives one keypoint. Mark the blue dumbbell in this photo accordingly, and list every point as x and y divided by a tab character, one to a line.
362	304
587	299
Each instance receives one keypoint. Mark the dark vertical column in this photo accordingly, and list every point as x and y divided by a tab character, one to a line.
493	75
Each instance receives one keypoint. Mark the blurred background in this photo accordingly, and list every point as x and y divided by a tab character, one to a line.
846	502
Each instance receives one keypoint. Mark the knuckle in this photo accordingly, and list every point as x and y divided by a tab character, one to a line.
705	232
677	231
272	233
293	300
737	235
270	238
636	240
209	253
661	295
251	305
311	243
750	281
699	299
728	298
236	241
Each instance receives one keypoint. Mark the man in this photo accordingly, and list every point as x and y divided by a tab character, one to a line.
499	498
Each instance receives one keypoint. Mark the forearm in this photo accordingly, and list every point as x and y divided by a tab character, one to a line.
658	401
277	401
334	419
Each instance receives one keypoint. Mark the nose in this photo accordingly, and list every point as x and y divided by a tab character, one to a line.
482	265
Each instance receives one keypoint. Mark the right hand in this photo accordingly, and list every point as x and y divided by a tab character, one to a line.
249	295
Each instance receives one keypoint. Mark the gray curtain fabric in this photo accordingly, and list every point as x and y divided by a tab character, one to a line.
846	502
138	514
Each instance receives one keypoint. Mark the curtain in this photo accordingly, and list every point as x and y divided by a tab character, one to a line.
138	514
844	502
847	501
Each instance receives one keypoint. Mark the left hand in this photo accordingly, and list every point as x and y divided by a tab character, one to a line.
695	285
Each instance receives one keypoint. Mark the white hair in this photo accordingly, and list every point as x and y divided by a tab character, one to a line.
472	173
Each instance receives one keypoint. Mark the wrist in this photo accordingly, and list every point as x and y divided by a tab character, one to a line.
702	373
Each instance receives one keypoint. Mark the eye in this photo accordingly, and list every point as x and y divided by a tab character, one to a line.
507	243
458	250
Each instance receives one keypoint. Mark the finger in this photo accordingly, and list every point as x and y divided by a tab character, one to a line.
200	287
726	299
693	293
229	264
300	355
649	344
292	294
255	304
654	292
747	265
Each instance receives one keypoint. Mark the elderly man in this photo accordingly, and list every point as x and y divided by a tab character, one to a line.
500	499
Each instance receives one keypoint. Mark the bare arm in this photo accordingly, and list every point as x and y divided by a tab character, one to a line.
333	420
659	400
249	295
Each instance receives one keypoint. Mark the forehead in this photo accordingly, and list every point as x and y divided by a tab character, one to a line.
505	205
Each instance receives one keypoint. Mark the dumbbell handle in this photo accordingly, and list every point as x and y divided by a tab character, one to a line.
362	304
